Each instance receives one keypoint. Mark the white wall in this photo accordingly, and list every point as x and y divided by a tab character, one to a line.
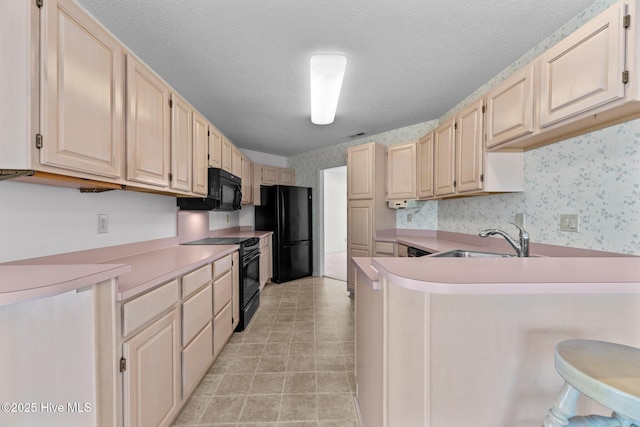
265	159
39	220
335	210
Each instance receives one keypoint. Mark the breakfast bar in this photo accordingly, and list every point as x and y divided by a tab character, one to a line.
471	341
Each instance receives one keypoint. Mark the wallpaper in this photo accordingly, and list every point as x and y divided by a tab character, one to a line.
596	176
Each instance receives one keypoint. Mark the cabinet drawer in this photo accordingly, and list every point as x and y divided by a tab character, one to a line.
141	310
222	290
222	265
195	280
196	312
384	248
196	359
222	329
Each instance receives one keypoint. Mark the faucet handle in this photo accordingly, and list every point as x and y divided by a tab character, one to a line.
523	232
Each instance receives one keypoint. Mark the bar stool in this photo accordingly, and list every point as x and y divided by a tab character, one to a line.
605	372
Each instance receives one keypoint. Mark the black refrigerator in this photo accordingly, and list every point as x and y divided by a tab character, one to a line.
286	210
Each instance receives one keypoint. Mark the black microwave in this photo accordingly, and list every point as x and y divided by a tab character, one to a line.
224	194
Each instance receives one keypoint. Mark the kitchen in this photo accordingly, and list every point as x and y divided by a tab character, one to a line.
587	175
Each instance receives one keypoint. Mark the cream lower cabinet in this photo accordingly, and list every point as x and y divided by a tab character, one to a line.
381	248
223	273
82	114
265	260
152	377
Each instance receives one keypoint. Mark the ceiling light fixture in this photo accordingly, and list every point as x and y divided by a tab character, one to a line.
327	72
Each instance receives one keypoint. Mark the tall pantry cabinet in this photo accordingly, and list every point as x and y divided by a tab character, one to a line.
367	210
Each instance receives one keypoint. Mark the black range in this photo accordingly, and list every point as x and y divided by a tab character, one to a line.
249	273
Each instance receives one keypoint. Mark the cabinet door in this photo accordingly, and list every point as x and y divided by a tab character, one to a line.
425	166
227	155
152	379
469	149
200	150
181	143
247	181
222	329
444	152
82	86
147	126
236	161
360	164
215	147
585	69
286	176
401	171
510	108
269	175
235	297
359	234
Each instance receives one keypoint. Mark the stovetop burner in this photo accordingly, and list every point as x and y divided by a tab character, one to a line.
243	241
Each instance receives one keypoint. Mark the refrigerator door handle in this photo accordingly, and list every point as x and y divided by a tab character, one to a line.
282	214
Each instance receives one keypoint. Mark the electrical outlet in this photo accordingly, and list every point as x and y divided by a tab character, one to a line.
103	223
520	219
227	218
569	222
409	217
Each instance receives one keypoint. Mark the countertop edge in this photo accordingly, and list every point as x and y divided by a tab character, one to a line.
74	281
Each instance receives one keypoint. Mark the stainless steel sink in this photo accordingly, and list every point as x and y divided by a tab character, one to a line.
461	253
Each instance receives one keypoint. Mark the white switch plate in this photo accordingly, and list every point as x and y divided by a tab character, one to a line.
520	219
570	223
409	217
103	223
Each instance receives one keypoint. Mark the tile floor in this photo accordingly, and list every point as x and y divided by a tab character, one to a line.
293	366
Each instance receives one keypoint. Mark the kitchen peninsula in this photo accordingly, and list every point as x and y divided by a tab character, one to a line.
469	341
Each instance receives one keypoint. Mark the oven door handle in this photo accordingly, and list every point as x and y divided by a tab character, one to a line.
253	257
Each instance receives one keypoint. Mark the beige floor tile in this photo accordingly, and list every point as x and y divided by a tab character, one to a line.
234	384
261	408
192	411
298	407
282	327
271	383
303	348
243	365
300	382
272	364
333	382
330	362
276	349
252	349
208	385
301	363
223	409
335	406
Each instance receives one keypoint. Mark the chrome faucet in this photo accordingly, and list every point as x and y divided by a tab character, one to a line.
522	248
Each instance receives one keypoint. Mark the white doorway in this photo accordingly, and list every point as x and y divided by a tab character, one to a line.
333	259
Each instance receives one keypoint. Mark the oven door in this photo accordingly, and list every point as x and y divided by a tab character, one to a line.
250	276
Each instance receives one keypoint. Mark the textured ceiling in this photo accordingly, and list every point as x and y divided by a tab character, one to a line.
244	64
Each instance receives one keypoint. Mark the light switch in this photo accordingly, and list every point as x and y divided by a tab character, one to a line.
569	222
103	223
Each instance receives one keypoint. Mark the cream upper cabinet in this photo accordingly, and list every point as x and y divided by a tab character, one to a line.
215	147
444	153
360	169
181	143
247	181
585	69
269	175
425	166
469	148
236	161
227	155
148	139
201	135
82	86
286	176
510	108
401	171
